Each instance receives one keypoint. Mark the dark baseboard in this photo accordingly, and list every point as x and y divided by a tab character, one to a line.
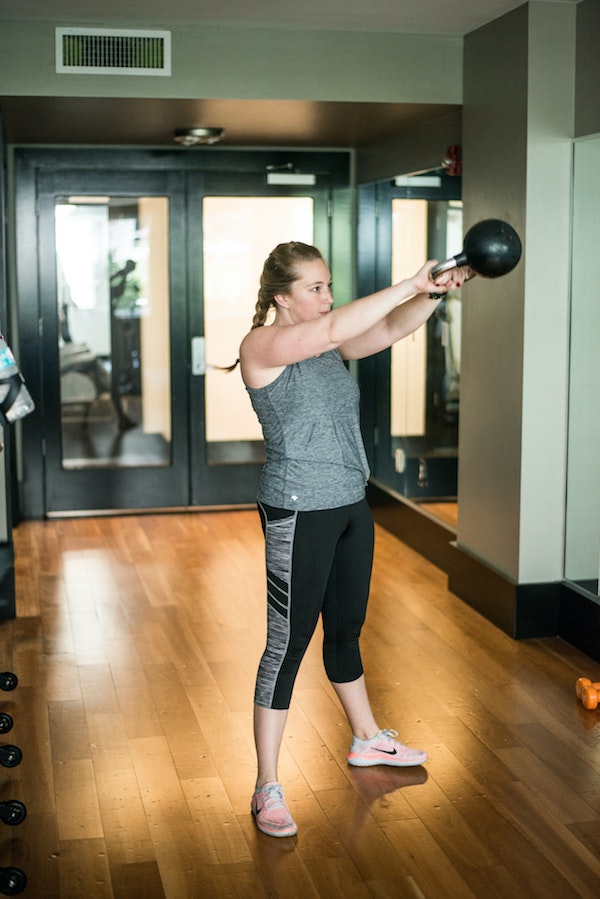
580	621
520	610
7	582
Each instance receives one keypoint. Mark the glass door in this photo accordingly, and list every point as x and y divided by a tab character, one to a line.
136	293
236	222
114	396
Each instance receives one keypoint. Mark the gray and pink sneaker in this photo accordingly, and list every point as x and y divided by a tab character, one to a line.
271	813
384	749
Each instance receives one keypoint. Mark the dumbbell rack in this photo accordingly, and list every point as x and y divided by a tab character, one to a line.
12	880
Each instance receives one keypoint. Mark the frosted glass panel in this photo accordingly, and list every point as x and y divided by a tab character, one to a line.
409	356
239	234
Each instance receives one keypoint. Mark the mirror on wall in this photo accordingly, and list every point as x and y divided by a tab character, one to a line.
413	413
582	532
425	367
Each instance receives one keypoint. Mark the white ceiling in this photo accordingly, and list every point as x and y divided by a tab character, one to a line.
414	16
67	120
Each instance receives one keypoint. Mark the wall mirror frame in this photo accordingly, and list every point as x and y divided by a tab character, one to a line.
582	519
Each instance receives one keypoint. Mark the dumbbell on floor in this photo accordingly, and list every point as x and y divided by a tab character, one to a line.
12	881
12	812
8	681
588	693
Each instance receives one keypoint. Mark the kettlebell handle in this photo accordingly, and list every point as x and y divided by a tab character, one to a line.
453	262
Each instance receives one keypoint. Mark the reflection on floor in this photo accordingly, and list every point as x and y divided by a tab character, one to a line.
447	512
92	437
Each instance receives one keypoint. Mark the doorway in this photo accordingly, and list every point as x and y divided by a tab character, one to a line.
147	279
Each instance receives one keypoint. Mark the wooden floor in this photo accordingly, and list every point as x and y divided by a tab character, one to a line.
136	647
445	511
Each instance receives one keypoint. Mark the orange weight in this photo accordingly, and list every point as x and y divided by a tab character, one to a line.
580	685
591	696
588	693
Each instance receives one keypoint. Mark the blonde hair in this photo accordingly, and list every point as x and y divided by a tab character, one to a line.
278	274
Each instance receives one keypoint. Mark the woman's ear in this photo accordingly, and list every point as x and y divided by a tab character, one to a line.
281	299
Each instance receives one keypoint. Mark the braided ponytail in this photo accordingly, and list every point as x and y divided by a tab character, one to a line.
278	274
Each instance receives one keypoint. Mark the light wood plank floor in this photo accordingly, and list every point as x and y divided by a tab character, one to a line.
136	645
446	512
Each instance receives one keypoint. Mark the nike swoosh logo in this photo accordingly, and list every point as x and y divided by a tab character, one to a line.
388	751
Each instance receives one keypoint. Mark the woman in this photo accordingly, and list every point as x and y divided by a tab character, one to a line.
318	527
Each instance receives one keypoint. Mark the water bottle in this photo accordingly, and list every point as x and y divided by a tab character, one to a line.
15	399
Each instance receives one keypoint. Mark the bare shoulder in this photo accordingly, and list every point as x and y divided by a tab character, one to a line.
252	347
254	359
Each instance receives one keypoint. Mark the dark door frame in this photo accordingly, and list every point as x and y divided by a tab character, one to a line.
30	166
7	554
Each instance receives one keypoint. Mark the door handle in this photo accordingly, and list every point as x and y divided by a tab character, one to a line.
198	355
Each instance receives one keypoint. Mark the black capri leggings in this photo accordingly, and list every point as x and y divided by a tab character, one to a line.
318	563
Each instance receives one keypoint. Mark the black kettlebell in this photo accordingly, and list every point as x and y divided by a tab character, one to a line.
491	248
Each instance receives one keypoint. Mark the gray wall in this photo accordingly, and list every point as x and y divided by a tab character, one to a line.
582	545
218	62
417	149
518	124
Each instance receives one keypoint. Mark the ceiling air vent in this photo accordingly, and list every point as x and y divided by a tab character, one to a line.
109	51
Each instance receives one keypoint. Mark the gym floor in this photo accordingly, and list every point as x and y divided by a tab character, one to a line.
136	646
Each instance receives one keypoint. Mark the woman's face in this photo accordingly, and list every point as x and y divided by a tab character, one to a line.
310	295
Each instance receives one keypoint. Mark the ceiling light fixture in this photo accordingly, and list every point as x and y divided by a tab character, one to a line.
193	137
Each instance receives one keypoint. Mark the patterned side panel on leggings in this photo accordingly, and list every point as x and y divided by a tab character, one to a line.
279	546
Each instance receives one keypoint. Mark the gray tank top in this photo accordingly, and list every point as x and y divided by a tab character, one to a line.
315	456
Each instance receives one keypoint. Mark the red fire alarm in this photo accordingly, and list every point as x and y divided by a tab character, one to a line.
452	162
